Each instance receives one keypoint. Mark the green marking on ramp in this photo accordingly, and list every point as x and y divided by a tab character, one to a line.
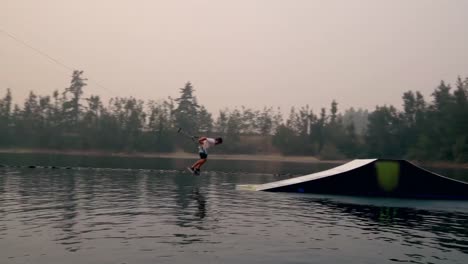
388	174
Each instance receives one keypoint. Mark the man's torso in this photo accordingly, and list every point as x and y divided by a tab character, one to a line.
208	142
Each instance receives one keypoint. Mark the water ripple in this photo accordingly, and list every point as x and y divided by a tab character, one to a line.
134	216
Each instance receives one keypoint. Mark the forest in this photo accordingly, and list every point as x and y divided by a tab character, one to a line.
434	129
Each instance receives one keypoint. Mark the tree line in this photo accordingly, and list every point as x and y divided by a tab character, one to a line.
423	130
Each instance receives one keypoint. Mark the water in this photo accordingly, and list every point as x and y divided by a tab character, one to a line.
163	215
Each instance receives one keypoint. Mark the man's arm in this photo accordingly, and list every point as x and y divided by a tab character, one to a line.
201	140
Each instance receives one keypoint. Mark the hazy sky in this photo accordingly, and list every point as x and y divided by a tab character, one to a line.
238	52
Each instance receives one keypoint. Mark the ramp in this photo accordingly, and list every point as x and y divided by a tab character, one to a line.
374	177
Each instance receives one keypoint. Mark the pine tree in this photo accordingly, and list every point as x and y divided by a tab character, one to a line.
204	121
5	119
187	110
72	107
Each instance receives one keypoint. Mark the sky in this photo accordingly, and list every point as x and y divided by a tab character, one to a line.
252	53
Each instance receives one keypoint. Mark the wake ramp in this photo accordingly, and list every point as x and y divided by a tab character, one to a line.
373	177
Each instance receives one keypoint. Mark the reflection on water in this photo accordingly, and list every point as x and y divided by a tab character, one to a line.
446	229
134	216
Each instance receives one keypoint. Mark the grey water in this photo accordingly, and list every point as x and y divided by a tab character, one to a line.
125	210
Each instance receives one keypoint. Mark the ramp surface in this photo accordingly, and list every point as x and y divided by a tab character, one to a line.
352	165
373	177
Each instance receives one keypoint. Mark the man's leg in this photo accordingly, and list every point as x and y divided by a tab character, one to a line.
199	163
196	164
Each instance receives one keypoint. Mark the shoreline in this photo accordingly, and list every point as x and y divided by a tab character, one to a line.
172	155
186	155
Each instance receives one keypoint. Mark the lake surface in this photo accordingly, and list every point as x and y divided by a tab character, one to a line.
155	212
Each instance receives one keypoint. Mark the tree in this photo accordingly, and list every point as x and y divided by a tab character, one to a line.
249	123
28	121
5	119
204	121
221	122
133	122
350	146
44	124
461	108
287	141
187	110
295	136
161	134
91	124
441	117
72	106
383	135
408	117
264	121
333	112
318	130
460	114
234	123
359	119
56	121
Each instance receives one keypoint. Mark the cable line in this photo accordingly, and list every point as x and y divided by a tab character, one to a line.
48	57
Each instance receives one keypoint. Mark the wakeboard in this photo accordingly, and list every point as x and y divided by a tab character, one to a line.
193	171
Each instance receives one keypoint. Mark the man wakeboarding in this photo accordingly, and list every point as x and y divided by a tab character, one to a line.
204	143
